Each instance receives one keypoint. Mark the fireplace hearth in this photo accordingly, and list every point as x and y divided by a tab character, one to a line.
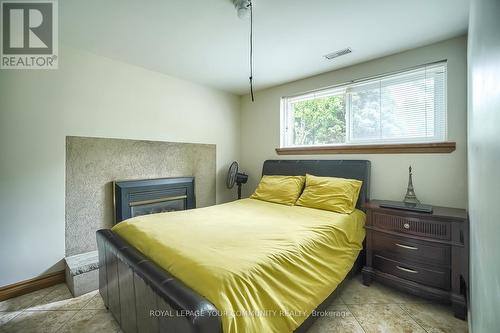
150	196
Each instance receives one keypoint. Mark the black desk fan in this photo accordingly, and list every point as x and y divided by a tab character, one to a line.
233	176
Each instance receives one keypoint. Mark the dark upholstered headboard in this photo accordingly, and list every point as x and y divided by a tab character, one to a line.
353	169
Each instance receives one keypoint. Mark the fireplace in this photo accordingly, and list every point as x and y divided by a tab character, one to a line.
149	196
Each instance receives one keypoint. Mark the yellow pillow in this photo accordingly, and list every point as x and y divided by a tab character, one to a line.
329	193
279	189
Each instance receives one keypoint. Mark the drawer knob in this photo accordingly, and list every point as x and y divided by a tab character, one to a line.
407	270
406	246
406	225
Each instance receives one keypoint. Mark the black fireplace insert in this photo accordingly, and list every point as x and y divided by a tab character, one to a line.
149	196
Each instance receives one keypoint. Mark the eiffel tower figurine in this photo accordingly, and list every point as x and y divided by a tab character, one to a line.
410	197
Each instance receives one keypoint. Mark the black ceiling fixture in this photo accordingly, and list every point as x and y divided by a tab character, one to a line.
233	176
245	9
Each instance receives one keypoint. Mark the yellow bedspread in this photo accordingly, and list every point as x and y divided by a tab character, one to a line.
264	266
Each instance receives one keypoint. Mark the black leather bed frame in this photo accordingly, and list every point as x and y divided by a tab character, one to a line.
145	298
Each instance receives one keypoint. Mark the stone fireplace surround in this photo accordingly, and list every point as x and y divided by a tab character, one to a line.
92	164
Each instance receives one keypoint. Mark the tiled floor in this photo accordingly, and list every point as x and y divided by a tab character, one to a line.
358	309
54	310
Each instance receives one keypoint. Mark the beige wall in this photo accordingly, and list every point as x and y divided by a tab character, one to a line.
439	179
88	96
483	162
98	97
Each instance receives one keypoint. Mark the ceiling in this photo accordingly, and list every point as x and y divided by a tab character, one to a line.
204	41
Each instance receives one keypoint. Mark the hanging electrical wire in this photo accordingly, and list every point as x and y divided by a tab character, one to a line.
251	50
245	9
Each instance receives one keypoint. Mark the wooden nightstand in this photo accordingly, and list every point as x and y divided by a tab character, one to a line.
420	253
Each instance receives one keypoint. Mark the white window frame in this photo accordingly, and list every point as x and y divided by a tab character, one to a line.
440	133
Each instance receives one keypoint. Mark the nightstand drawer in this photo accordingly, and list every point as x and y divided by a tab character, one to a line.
401	248
414	226
433	277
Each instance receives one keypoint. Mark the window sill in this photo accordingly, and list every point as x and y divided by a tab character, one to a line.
403	148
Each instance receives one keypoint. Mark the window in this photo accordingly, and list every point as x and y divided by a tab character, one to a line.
407	107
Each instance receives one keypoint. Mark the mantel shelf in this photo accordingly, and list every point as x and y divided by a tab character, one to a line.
404	148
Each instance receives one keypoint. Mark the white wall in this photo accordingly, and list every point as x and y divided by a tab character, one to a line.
88	96
439	179
484	162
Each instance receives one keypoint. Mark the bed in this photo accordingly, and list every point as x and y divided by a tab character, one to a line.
152	282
